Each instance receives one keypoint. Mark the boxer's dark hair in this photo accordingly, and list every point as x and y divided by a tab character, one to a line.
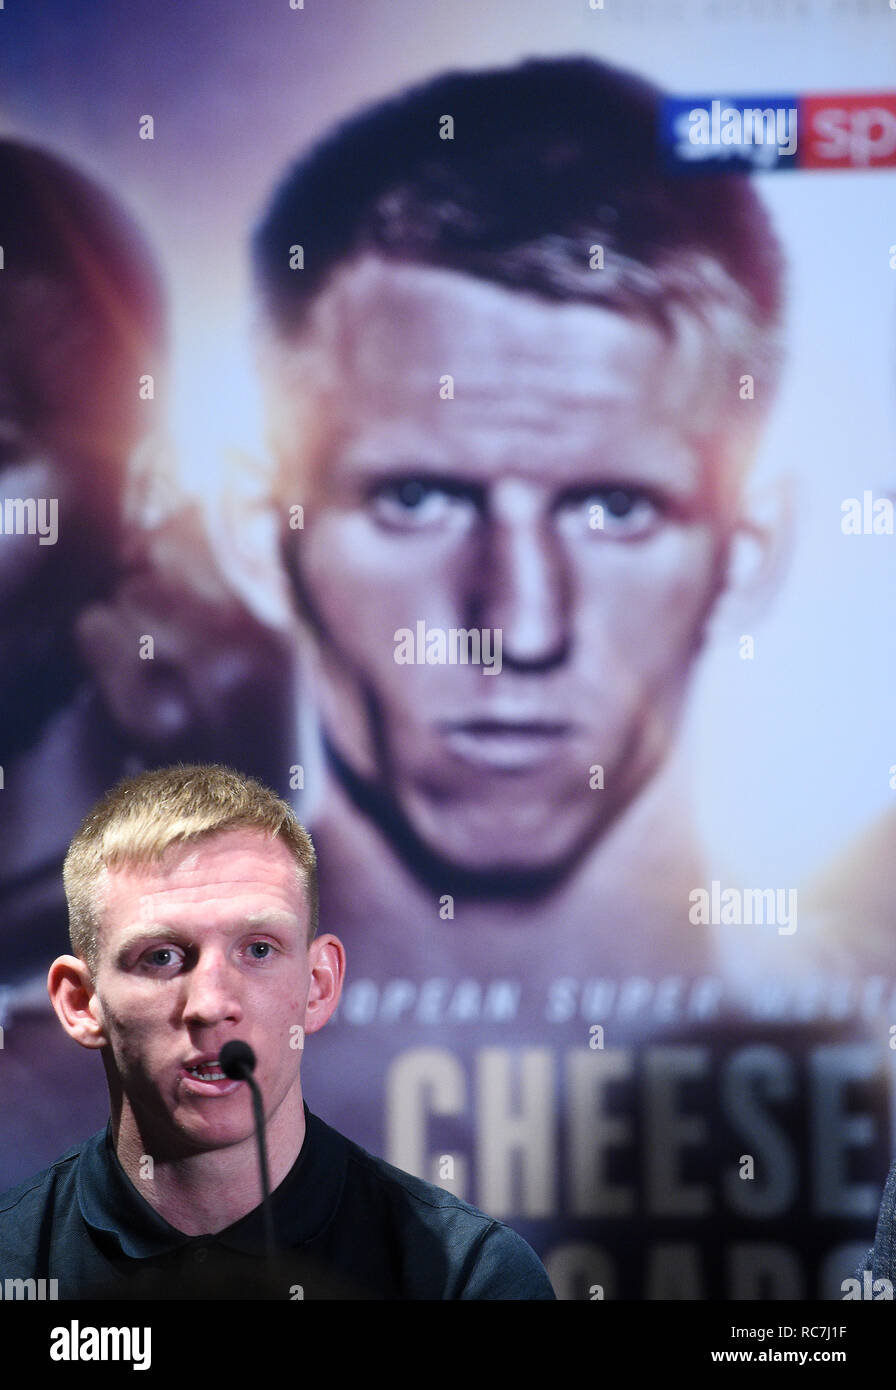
548	158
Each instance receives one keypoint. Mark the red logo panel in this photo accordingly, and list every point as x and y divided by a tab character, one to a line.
848	132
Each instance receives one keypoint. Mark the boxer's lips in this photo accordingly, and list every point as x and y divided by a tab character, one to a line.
204	1076
513	744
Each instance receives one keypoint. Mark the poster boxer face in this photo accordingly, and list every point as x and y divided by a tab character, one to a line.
483	459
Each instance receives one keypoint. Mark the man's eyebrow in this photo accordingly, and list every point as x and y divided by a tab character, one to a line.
275	918
162	930
151	931
398	459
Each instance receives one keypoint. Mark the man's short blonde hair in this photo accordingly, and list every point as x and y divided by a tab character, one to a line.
137	821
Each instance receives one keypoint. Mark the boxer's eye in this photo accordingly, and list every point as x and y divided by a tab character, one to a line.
264	947
416	503
162	958
617	513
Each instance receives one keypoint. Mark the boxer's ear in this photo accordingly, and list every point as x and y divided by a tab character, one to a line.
326	961
73	996
762	547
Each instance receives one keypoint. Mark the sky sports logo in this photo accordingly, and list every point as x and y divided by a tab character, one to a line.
780	132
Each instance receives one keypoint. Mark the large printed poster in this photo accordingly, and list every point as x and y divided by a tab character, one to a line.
477	422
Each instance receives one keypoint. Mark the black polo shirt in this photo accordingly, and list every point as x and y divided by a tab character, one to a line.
348	1225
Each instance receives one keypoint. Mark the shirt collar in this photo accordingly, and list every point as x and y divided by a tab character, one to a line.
301	1205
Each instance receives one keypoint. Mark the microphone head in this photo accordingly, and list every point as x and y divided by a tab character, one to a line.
236	1059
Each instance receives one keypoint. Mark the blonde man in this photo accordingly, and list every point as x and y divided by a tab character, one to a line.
192	898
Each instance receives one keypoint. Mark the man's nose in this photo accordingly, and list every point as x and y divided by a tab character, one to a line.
523	585
213	994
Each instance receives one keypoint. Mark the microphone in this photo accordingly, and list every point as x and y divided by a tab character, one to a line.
237	1060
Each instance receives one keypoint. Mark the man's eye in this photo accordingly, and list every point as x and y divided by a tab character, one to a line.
618	512
263	947
412	503
161	956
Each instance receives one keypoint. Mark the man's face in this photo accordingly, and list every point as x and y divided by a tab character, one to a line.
205	946
562	496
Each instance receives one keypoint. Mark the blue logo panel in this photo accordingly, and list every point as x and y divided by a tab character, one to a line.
742	134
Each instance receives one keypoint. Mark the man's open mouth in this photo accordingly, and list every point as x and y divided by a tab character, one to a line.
207	1071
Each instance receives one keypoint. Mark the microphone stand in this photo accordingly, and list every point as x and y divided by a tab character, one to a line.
237	1060
269	1242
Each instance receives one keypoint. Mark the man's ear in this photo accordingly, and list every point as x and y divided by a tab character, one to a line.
759	558
73	996
326	961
